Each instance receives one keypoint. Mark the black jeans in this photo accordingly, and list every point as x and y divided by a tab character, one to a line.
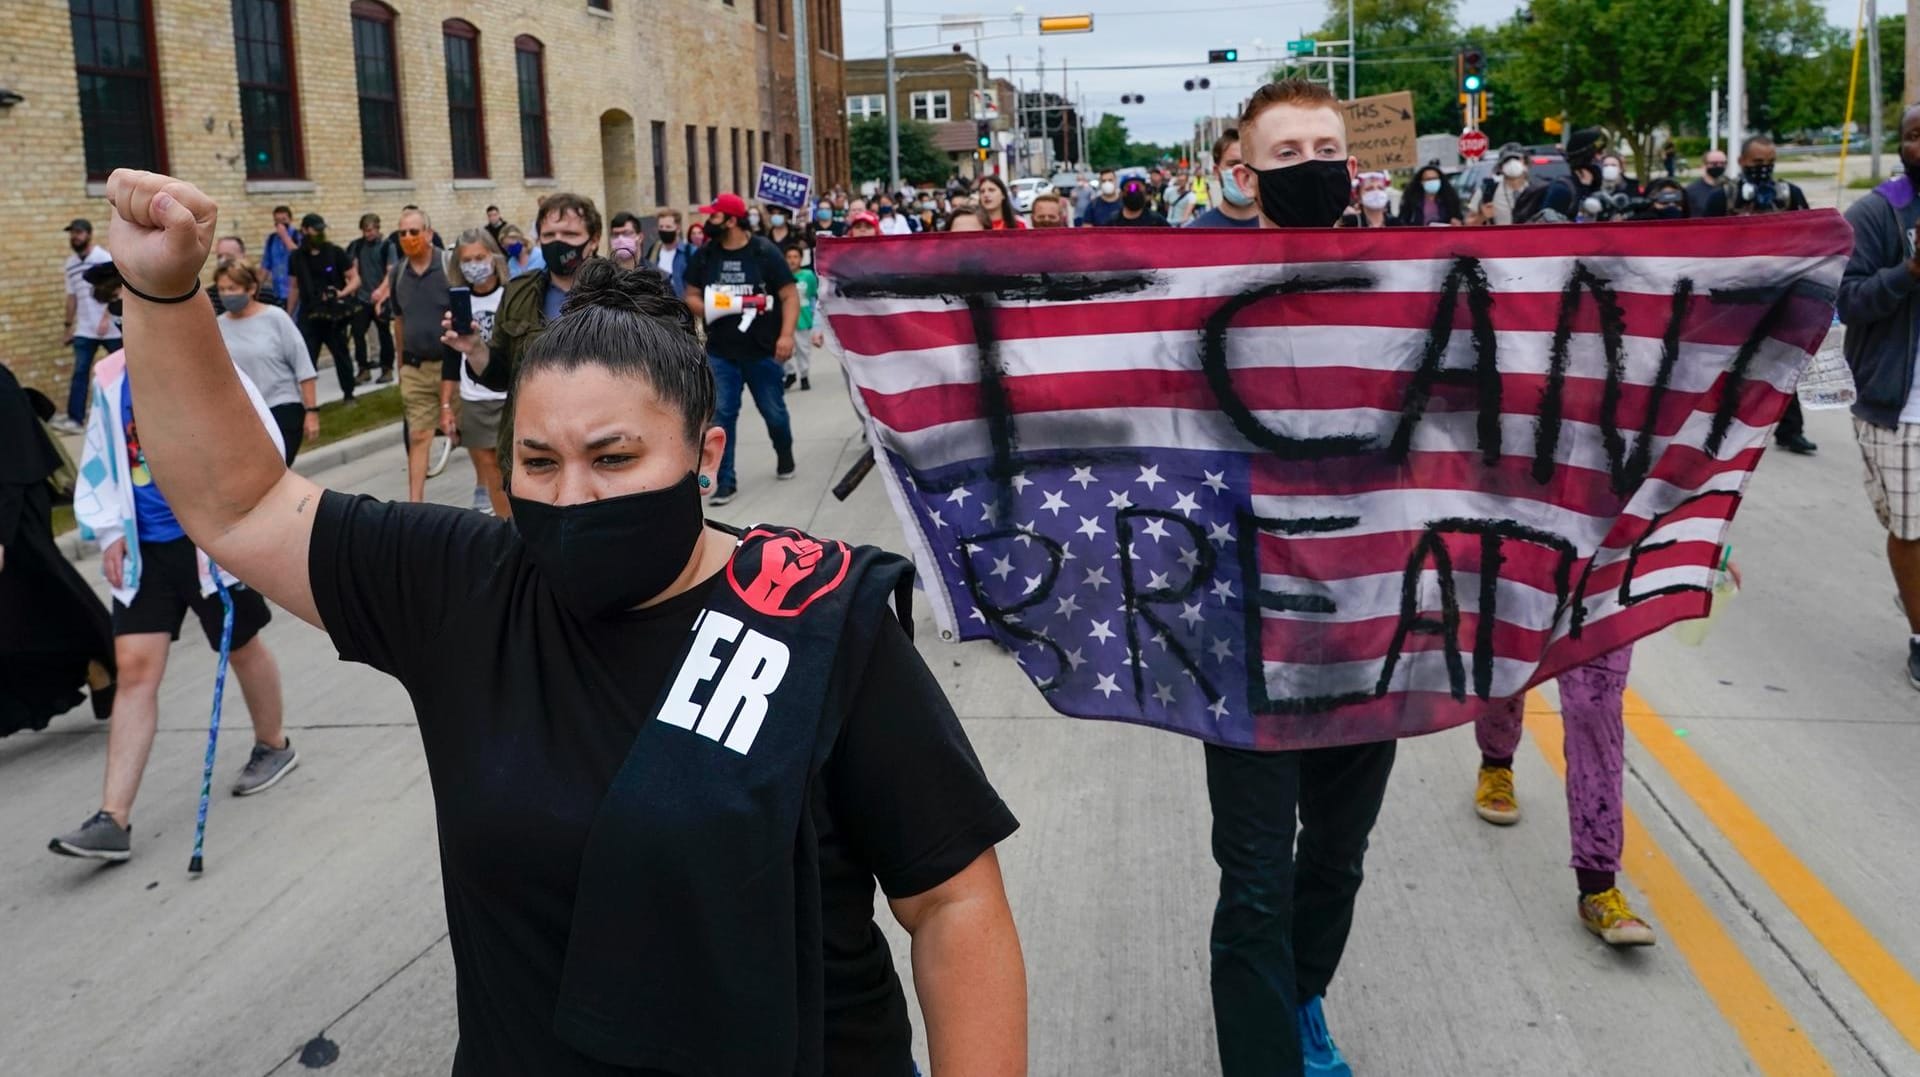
1793	424
1284	912
333	333
292	421
363	317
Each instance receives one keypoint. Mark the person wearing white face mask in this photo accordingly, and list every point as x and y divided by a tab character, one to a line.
478	264
1505	192
1234	207
1376	196
1613	177
1106	208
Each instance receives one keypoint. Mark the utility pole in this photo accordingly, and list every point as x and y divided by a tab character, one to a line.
1713	114
1910	92
1063	118
893	110
1873	85
803	85
979	84
1736	79
1353	54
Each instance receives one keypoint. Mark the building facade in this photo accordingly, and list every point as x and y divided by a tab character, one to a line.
344	107
946	91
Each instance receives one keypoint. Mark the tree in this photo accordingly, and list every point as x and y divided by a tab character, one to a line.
920	160
1107	146
1631	66
1783	38
1403	45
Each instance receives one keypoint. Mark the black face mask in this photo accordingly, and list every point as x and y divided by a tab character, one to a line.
1309	195
668	235
605	557
1716	171
1758	175
563	259
1134	200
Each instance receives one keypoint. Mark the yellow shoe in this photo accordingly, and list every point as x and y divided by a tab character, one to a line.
1607	915
1494	800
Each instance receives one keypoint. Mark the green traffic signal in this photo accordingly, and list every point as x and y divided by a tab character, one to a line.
1473	83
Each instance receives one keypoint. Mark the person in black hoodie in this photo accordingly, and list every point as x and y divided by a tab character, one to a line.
55	636
670	759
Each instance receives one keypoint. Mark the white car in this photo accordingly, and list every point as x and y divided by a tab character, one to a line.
1024	191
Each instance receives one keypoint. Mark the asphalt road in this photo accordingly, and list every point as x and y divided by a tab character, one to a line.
1773	844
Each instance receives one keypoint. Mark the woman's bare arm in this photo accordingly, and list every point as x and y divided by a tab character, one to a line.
968	973
213	460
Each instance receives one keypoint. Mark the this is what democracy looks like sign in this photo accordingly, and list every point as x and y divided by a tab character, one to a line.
1300	488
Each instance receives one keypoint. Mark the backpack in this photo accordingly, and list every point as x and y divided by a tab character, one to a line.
1527	207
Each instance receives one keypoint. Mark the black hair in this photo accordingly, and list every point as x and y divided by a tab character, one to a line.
629	321
1413	197
369	219
283	209
623	217
493	209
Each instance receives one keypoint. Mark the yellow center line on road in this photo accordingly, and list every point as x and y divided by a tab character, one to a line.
1774	1040
1880	976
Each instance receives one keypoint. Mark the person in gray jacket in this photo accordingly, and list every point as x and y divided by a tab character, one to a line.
1878	297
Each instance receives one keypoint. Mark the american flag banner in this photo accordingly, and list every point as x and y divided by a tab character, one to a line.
1299	488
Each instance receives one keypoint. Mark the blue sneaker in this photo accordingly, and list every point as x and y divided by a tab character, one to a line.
1318	1056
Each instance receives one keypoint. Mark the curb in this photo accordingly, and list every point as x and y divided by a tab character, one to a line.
325	458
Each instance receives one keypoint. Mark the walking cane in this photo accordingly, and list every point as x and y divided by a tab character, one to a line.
213	725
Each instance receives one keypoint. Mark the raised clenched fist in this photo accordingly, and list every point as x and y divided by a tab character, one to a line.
161	231
784	561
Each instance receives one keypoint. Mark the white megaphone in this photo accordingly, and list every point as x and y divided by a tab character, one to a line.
723	301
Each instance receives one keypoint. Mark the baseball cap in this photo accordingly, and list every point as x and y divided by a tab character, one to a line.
78	224
730	204
864	217
314	220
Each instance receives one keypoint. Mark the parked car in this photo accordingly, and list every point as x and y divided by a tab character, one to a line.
1025	189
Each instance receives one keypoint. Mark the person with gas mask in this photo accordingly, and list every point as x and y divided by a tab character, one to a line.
1105	206
688	747
1756	191
743	273
1566	195
1702	189
1666	201
1135	212
1508	196
569	235
1880	304
1283	917
1234	207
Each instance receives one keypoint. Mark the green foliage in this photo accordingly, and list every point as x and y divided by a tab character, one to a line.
1405	45
1784	38
1107	146
1815	88
920	160
1631	66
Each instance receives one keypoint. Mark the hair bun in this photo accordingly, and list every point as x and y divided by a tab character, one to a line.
643	290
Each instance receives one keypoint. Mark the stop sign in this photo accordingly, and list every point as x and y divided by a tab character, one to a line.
1473	144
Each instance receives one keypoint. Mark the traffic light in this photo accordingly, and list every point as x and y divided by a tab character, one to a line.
1133	99
1223	56
1473	78
983	135
1199	84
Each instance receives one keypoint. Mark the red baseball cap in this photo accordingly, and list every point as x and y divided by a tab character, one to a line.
730	204
864	217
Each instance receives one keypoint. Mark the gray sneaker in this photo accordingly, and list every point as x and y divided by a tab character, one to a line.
265	767
99	838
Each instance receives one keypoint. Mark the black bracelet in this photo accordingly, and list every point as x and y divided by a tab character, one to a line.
313	411
191	292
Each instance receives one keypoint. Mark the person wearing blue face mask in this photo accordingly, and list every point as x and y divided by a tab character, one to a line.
1430	199
1234	208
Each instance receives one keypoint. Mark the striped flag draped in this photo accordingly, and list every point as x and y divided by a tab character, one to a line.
1303	488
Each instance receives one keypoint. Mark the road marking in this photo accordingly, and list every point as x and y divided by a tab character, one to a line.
1879	975
1774	1040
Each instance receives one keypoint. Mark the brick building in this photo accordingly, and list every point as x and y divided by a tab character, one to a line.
349	106
938	90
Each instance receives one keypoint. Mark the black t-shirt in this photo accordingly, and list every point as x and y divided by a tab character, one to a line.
1720	203
527	713
321	271
759	268
1148	219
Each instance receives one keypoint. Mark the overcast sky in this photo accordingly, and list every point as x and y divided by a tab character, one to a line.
1131	35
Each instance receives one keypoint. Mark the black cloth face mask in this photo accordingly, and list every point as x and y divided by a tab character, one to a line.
563	259
605	557
1312	194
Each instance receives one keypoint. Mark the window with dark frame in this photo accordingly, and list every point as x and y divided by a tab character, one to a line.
787	159
269	97
760	13
766	151
693	163
376	75
466	117
659	163
530	64
780	15
113	60
600	5
753	168
713	161
733	158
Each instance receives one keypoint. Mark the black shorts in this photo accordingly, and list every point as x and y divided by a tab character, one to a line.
170	586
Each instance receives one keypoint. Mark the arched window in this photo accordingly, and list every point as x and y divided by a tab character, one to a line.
269	92
466	116
530	61
121	123
376	73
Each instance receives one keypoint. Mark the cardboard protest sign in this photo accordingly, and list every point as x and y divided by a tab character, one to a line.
1316	487
1380	131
